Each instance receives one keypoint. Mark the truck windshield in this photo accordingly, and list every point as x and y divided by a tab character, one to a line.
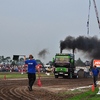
62	59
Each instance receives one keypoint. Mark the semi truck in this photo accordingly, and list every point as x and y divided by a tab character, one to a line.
64	65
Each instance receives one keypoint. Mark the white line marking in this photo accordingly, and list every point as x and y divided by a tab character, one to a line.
80	88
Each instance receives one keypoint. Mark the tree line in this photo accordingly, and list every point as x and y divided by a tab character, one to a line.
20	61
8	60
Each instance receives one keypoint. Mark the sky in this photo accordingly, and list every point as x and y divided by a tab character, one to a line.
29	26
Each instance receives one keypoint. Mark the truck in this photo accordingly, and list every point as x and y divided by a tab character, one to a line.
64	65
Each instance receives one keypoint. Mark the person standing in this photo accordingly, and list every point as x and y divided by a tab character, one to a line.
95	73
32	64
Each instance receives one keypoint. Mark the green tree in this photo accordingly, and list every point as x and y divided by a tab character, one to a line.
7	59
10	61
2	58
79	62
39	62
13	63
50	63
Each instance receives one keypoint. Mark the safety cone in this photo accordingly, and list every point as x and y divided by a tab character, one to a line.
5	77
39	82
93	88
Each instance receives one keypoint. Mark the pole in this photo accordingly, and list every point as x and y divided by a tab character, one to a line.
96	14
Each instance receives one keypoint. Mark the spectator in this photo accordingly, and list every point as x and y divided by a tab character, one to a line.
95	73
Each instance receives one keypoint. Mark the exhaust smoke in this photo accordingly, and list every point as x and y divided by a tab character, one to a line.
89	45
43	53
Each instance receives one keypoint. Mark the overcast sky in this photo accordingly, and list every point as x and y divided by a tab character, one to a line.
29	26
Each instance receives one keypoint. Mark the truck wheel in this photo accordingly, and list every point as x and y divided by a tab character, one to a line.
76	76
56	76
64	76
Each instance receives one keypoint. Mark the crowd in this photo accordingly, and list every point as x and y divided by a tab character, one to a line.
20	68
11	68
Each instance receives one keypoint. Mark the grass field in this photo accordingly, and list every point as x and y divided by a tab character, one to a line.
22	76
89	95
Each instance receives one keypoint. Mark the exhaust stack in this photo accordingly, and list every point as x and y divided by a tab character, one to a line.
60	50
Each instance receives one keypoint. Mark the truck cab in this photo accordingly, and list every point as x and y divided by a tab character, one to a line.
64	65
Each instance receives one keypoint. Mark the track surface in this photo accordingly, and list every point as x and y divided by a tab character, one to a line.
16	89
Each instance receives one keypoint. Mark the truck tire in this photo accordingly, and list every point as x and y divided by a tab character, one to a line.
56	76
76	76
64	76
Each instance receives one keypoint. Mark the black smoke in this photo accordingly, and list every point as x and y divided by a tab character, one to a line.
43	53
89	45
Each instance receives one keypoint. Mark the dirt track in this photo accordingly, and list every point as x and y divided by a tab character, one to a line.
16	89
